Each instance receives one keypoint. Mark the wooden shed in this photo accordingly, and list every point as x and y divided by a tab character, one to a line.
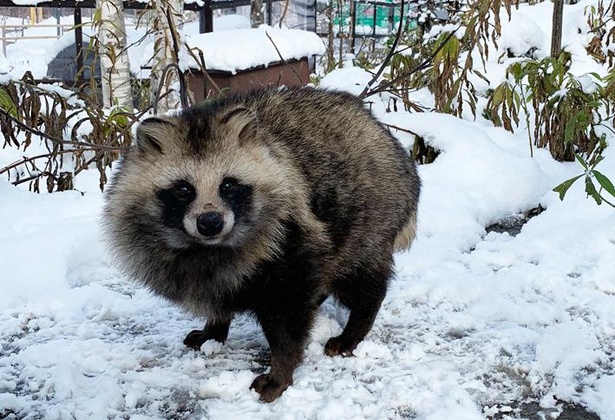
244	59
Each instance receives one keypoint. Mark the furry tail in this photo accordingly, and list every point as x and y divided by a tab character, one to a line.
406	235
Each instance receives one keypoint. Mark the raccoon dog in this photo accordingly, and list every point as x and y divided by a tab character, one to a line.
266	203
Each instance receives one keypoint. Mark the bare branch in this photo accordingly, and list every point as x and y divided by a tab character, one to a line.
422	66
183	87
54	140
202	67
45	155
395	127
282	58
286	3
387	59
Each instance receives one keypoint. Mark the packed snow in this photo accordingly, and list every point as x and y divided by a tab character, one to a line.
476	323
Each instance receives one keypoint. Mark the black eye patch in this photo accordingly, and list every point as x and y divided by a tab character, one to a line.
184	191
238	196
175	201
228	186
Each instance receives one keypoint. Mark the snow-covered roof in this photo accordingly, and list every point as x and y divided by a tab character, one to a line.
246	48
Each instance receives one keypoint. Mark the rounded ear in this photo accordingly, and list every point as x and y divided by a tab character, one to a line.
239	120
152	133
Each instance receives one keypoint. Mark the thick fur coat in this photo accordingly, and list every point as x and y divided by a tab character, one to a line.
267	203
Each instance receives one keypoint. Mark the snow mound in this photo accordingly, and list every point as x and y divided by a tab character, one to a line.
347	79
522	37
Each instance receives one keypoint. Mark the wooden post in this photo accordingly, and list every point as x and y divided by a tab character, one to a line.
206	21
79	45
352	24
57	13
269	8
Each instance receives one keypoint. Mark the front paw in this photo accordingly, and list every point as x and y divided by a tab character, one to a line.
337	346
195	339
269	387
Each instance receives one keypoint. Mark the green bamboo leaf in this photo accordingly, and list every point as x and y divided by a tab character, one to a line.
604	182
562	188
517	71
7	103
581	161
591	191
118	117
498	95
97	16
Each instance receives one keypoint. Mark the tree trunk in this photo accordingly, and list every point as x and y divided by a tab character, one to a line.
556	32
330	38
114	63
257	18
165	83
352	24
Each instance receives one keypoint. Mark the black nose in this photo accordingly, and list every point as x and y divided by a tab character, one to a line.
210	224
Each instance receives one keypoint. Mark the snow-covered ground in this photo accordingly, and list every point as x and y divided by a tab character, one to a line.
475	324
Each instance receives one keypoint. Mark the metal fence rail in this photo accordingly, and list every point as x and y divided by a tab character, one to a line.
11	33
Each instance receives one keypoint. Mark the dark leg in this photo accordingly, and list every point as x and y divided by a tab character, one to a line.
217	330
286	329
363	294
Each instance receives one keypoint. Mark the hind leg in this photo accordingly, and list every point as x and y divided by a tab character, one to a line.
214	330
363	294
